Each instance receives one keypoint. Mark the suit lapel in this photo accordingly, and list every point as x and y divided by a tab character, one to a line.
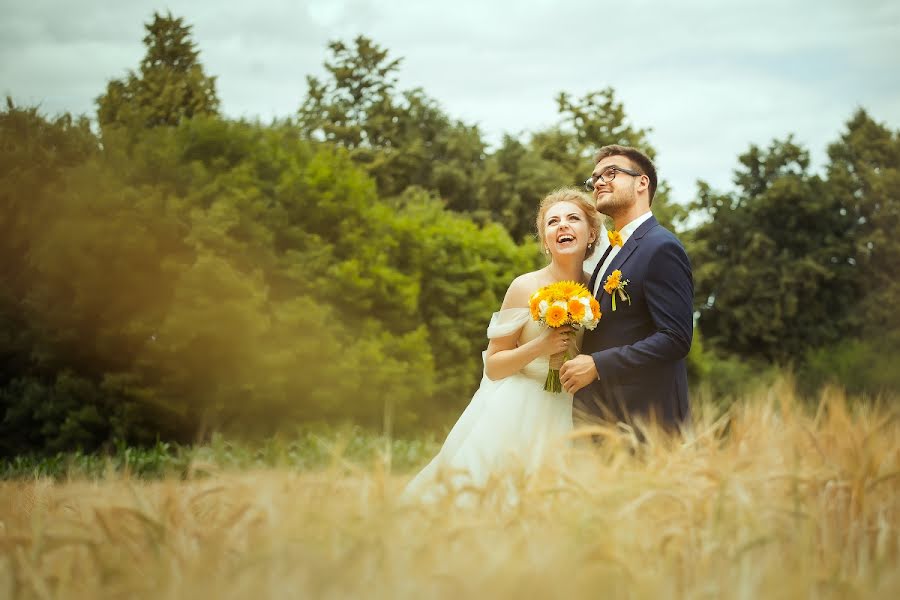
597	268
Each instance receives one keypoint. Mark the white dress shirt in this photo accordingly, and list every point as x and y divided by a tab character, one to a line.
625	232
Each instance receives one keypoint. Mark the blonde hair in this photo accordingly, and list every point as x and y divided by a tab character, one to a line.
576	197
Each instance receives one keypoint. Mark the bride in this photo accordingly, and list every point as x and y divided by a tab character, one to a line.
511	423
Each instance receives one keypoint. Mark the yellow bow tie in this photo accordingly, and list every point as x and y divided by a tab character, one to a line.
615	238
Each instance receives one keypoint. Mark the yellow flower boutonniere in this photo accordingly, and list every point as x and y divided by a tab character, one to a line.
616	286
615	238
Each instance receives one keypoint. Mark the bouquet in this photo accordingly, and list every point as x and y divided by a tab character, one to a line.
558	304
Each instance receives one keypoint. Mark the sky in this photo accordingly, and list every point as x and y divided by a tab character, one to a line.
708	78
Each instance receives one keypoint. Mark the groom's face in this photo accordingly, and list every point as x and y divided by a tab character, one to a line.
617	194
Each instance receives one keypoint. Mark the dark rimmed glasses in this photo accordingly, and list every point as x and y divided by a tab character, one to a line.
606	176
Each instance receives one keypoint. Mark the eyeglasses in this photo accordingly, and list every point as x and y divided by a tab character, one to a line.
606	176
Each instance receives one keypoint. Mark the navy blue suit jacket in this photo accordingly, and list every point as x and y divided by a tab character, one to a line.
640	349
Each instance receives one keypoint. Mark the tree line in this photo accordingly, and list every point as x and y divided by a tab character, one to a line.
169	272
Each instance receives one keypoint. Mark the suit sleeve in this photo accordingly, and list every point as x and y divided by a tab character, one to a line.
669	293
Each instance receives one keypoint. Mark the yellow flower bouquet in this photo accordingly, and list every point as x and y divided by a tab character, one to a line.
558	304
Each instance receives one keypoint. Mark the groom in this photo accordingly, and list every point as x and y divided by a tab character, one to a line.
632	364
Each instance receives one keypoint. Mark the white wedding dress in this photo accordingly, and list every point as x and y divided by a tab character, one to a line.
512	427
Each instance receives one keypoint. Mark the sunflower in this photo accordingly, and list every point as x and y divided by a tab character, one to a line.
549	293
556	315
568	289
534	305
576	309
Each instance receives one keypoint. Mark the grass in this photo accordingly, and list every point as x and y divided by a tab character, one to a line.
308	449
773	499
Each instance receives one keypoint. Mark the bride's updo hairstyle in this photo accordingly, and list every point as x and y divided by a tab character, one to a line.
579	199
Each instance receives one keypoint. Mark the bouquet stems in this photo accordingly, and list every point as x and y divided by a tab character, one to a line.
552	383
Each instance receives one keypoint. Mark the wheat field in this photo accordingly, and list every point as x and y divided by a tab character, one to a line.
773	499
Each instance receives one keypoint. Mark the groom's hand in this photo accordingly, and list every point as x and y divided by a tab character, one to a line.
578	372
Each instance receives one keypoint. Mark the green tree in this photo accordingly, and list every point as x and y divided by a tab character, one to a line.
517	175
770	260
599	119
462	271
863	177
169	87
511	185
402	138
356	106
76	284
34	156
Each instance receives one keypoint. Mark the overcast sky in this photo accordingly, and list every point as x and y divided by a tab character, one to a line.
708	77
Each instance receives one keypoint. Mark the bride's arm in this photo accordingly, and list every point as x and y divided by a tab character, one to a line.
504	357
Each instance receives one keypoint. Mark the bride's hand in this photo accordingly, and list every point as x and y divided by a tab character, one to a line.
557	339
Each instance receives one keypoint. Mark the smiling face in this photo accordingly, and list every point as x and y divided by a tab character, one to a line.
566	230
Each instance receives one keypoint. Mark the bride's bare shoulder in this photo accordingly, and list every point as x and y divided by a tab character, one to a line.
521	289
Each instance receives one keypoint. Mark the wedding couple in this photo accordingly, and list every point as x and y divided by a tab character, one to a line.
630	368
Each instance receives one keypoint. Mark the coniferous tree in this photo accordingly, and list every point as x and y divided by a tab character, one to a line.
169	86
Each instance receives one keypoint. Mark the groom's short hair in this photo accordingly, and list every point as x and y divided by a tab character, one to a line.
640	160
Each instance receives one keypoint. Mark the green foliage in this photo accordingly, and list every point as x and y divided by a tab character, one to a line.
69	412
465	271
193	274
864	176
721	379
513	181
771	258
860	366
311	447
518	175
403	138
801	270
34	157
594	120
356	107
221	275
170	86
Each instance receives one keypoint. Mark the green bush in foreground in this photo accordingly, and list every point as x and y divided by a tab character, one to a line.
310	449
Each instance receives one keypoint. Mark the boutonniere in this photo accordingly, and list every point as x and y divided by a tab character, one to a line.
616	286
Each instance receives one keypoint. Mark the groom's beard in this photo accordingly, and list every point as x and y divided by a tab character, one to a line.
617	202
